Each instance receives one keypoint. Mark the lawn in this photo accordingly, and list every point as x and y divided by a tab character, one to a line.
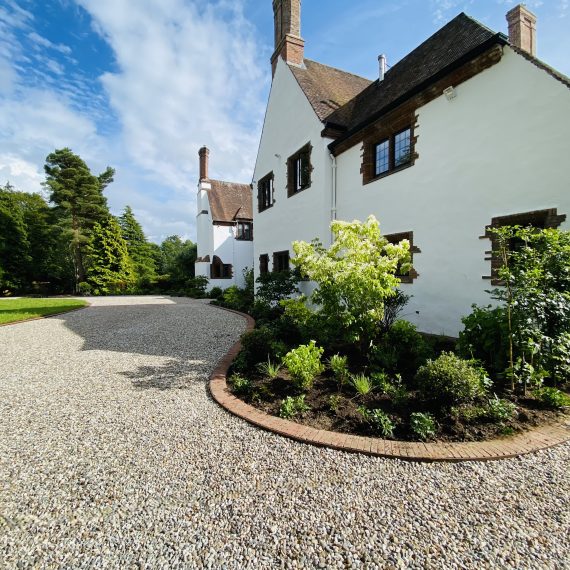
13	310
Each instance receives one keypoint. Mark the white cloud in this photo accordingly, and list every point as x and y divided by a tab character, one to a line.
189	75
44	42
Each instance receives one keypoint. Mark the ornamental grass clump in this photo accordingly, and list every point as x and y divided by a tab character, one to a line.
361	384
304	364
269	369
450	380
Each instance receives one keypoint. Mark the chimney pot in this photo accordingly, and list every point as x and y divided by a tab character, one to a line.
522	28
204	154
382	66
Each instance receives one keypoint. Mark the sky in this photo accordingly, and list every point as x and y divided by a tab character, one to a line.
141	85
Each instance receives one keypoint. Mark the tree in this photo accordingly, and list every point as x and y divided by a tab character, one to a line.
140	251
109	268
79	201
354	277
177	260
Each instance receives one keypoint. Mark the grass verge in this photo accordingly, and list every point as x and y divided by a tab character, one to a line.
14	310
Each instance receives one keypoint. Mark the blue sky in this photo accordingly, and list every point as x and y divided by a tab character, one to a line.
141	85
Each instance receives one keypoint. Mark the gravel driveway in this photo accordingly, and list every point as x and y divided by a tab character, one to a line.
112	455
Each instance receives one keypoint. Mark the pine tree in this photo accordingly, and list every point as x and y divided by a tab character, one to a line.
110	270
79	201
139	249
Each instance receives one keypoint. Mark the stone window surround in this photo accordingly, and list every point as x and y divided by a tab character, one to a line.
547	218
397	238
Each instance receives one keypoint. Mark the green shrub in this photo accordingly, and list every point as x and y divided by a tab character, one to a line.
402	349
195	287
422	425
450	380
361	384
499	410
216	293
240	384
292	406
552	397
269	369
258	345
304	364
275	286
485	338
379	420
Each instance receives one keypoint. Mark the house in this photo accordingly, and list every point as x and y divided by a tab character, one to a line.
224	225
469	130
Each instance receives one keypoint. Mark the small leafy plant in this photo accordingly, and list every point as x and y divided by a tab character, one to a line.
269	369
379	420
422	425
339	365
292	406
499	410
334	402
304	364
240	384
361	384
552	397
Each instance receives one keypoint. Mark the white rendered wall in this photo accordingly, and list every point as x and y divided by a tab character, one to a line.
499	148
290	123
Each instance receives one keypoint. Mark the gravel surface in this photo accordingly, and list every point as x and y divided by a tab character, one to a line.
112	455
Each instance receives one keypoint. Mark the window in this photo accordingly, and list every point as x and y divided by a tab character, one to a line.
263	264
299	171
393	153
265	193
281	261
219	270
397	238
539	219
244	231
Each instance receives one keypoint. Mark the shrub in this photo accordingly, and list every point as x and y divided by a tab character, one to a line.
469	413
257	345
339	365
499	410
195	287
379	420
450	380
552	397
304	364
422	425
240	384
392	308
402	349
216	293
275	286
485	338
361	384
291	406
269	369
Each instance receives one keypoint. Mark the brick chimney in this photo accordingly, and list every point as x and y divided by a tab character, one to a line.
204	154
288	42
522	28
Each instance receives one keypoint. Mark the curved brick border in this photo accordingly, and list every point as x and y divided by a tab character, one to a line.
46	316
521	444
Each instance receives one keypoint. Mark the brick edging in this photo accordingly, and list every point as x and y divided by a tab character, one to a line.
527	442
46	316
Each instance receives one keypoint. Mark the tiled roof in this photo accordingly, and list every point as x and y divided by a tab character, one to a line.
230	201
327	88
457	40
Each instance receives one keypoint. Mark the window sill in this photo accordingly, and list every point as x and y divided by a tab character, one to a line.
290	195
389	173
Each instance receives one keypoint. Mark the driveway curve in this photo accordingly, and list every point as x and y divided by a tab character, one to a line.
113	455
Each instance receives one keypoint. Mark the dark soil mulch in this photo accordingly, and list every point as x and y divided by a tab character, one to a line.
267	395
